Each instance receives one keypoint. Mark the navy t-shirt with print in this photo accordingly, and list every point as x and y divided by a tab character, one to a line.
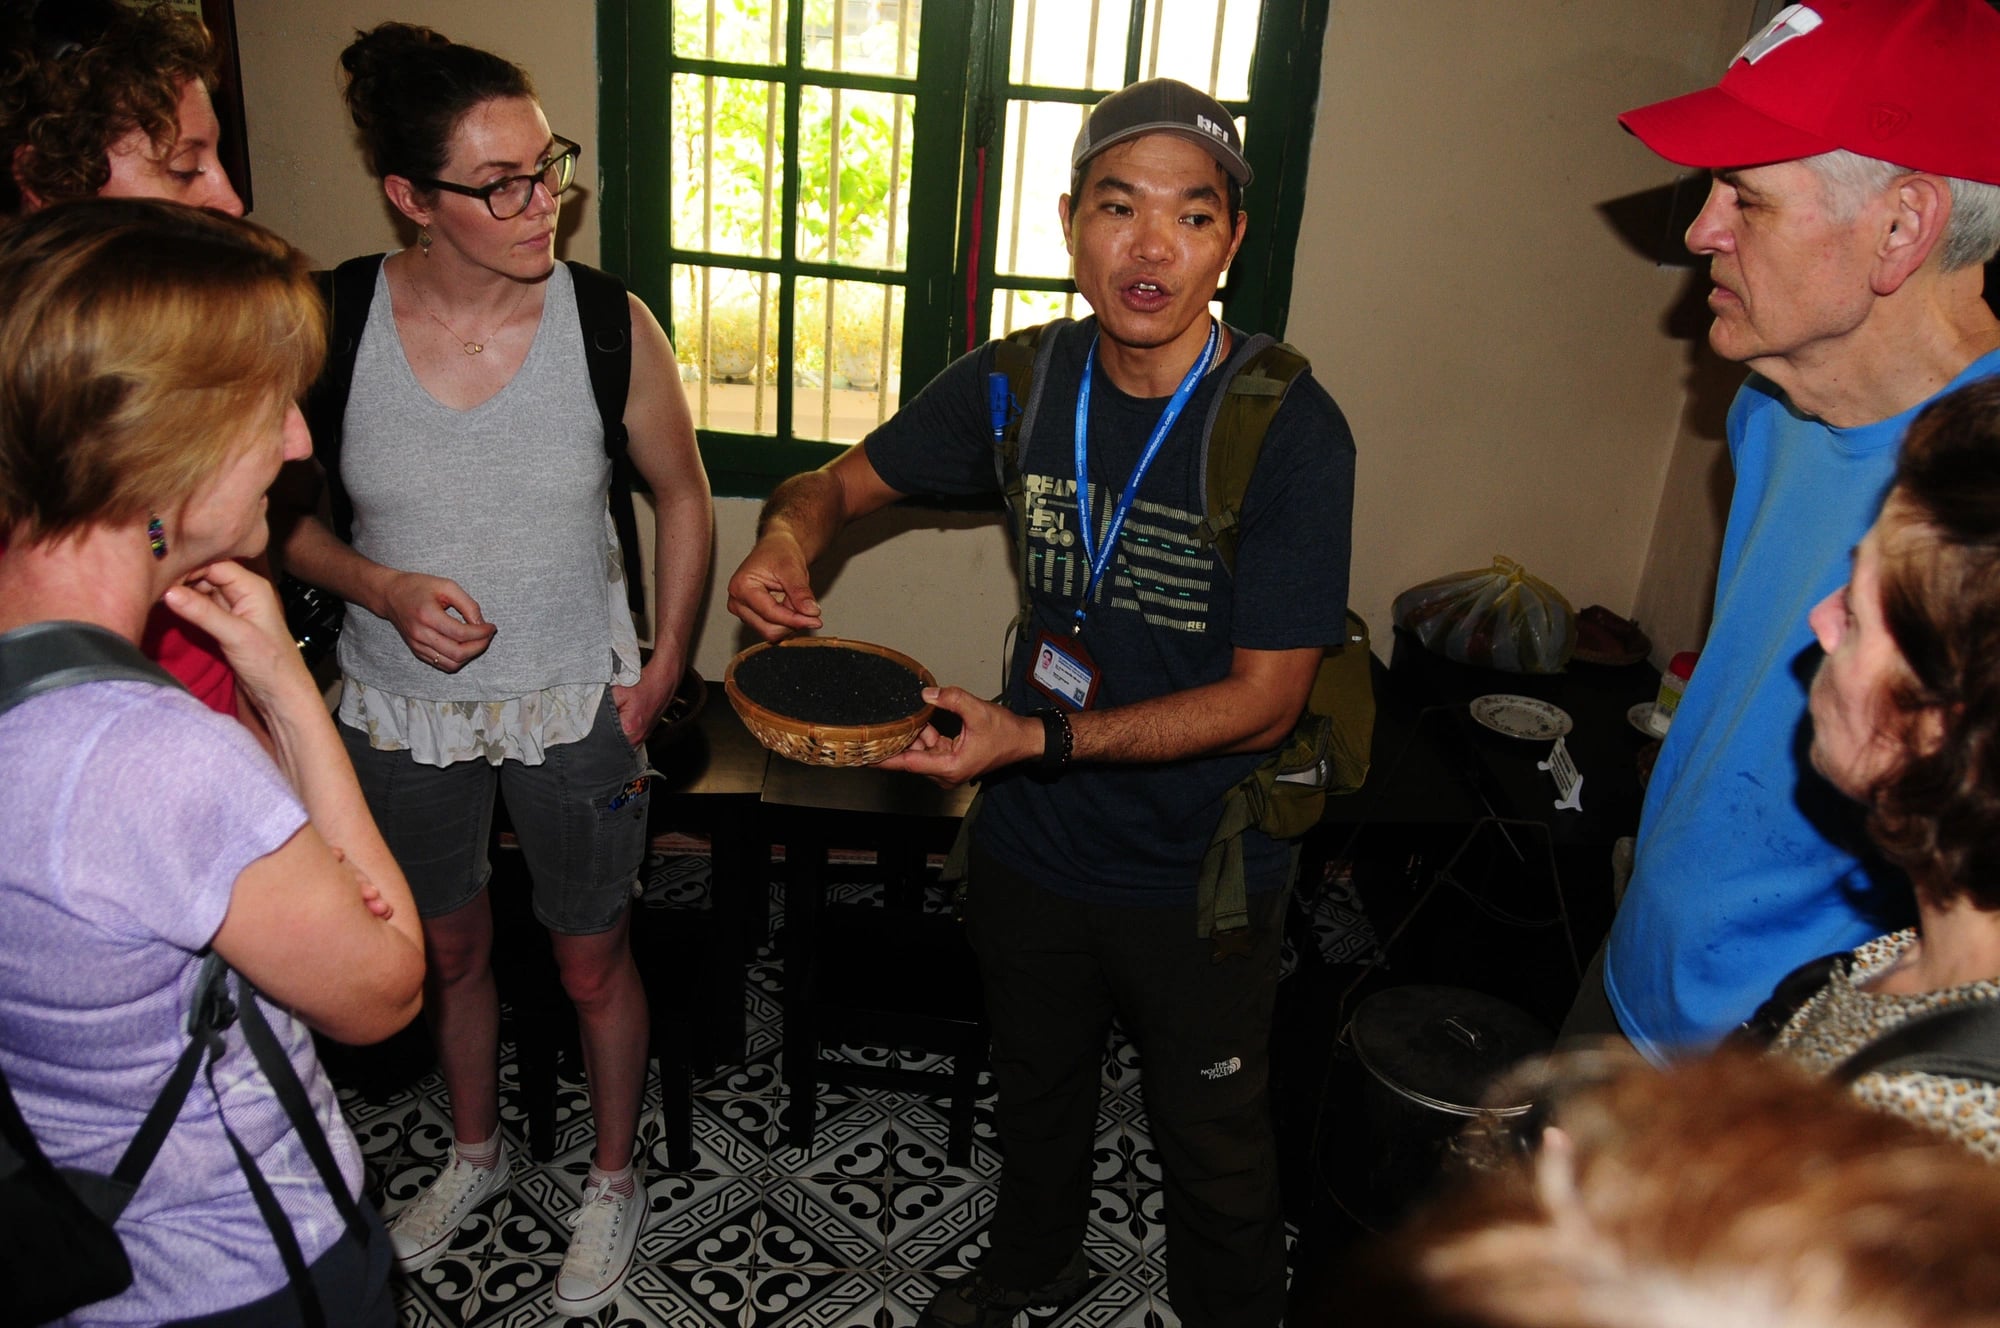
1167	615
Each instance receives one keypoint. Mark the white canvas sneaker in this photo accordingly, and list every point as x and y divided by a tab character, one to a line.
600	1253
422	1229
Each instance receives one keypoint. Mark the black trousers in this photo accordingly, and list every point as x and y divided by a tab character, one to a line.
1055	971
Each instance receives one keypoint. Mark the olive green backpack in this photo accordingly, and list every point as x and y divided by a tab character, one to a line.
1327	752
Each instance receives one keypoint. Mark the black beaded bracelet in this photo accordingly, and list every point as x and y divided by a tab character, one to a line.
1058	741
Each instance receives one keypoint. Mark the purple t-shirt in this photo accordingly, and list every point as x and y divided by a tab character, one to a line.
127	811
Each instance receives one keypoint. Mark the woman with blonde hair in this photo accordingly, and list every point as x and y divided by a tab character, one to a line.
150	355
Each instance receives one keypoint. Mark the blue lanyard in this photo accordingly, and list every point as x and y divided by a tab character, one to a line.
1100	558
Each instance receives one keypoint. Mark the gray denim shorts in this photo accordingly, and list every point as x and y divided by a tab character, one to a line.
578	815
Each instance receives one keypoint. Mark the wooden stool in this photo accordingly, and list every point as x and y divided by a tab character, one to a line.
892	976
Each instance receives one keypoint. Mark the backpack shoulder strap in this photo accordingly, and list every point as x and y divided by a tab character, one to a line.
1787	999
605	315
1022	357
45	656
1260	373
1962	1042
348	290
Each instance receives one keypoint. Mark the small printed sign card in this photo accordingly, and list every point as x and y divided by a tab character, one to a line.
1569	783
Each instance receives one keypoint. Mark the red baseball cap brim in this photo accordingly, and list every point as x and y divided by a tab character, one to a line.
1713	130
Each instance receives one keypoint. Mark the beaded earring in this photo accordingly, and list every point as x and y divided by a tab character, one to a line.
424	241
156	535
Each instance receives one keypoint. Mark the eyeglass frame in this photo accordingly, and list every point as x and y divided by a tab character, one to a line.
571	151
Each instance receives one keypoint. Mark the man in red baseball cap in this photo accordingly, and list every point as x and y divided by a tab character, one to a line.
1855	152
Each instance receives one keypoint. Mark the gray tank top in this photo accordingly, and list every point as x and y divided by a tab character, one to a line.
508	499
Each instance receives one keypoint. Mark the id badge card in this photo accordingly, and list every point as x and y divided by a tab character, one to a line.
1063	671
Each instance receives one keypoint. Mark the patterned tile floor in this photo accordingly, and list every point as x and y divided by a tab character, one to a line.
853	1232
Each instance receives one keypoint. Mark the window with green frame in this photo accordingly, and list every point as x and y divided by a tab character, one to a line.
826	200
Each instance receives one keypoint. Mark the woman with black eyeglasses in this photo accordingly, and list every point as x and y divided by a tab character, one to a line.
489	643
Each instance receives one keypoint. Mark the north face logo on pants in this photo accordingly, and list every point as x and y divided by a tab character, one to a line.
1223	1069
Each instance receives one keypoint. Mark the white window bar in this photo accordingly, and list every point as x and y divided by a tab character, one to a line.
1215	59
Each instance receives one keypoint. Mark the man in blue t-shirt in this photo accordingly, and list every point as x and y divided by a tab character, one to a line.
1095	817
1855	151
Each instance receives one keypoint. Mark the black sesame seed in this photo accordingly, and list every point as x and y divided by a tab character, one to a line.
830	685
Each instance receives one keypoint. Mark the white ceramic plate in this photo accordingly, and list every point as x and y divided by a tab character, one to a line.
1640	717
1521	716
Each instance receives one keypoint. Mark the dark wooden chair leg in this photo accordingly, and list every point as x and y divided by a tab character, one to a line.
666	944
805	859
740	904
966	1064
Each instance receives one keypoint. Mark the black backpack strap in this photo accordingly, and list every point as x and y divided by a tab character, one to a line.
45	656
348	291
210	1017
605	315
207	1017
1961	1042
291	1095
1797	987
214	1010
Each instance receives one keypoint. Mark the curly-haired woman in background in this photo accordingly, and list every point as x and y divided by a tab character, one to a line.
100	100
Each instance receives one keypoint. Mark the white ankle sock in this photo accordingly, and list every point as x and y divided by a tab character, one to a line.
623	1182
485	1155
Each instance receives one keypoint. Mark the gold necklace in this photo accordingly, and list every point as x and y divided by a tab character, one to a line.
470	347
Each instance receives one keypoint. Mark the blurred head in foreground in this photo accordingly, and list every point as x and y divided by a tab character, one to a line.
1723	1193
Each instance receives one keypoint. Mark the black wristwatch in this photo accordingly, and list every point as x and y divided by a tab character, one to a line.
1058	741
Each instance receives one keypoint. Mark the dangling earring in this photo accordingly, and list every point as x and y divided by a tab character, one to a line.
156	534
424	241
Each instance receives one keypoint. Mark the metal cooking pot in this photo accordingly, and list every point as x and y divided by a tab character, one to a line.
1428	1057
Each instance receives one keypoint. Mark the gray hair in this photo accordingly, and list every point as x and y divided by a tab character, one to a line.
1973	234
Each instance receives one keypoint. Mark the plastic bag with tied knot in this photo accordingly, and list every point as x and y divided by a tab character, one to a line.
1500	617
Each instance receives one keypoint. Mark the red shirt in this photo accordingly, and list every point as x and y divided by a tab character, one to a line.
193	657
188	653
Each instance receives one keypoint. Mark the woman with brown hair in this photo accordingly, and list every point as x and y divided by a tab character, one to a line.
1906	720
489	646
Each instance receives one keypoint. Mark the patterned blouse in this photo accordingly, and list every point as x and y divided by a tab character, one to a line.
1842	1018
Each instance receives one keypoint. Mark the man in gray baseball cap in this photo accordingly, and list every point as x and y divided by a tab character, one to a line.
1161	106
1146	686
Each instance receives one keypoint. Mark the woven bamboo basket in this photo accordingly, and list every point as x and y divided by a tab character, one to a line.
827	744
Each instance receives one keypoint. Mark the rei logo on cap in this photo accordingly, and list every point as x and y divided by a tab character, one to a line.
1789	22
1211	128
1886	120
